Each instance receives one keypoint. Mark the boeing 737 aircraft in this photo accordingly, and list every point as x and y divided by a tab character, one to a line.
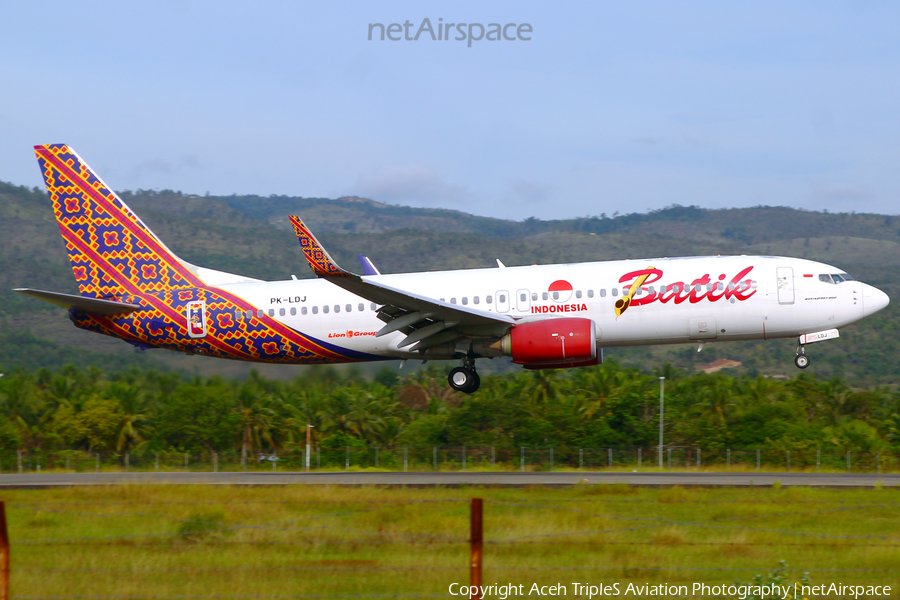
545	316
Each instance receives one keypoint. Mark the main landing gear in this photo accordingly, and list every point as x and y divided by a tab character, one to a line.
801	360
464	378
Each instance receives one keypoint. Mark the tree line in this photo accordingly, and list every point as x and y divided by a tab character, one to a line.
144	411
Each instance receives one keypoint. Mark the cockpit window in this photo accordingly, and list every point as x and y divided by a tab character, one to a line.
835	278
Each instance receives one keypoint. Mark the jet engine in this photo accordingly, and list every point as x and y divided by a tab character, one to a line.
552	343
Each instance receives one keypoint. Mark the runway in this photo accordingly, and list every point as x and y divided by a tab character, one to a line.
454	478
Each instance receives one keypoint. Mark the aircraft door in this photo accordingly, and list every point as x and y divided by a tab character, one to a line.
502	301
523	300
196	319
785	277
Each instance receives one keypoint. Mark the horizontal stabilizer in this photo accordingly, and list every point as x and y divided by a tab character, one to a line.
96	306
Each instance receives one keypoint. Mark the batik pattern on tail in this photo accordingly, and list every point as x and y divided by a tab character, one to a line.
112	252
114	255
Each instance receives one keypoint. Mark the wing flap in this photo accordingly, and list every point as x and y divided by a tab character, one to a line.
401	304
96	306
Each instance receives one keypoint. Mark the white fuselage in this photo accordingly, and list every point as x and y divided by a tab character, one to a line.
777	297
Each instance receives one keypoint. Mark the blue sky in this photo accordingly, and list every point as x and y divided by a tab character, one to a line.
609	107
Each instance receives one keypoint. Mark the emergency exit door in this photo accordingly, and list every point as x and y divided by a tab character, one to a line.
785	277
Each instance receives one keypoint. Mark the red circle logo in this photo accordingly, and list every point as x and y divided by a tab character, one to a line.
560	290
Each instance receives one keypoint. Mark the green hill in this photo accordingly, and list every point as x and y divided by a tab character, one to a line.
250	235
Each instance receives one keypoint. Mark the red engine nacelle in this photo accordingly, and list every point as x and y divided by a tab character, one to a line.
562	342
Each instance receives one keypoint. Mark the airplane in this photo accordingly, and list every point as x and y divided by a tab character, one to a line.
134	288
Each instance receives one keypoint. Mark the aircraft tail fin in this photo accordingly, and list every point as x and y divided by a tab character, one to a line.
112	252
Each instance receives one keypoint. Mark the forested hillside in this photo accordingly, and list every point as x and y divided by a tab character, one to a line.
250	235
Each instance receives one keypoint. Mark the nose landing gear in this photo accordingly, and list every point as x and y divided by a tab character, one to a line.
464	378
801	360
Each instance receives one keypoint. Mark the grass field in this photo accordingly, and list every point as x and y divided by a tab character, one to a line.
297	541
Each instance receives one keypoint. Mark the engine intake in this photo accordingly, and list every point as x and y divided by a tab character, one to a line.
558	342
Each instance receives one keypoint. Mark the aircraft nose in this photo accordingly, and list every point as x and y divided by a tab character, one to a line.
873	300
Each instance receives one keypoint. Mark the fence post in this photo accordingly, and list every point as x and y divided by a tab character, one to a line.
19	458
788	460
493	457
670	458
318	458
848	461
244	458
98	461
818	458
464	459
4	554
728	458
376	457
522	459
347	462
127	461
156	462
640	459
215	462
185	461
581	458
476	540
67	462
878	458
405	460
551	459
699	462
757	459
610	458
434	458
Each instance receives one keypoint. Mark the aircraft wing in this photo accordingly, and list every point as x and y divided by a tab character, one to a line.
96	306
426	321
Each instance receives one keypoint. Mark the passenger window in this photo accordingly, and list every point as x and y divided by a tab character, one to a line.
315	310
624	291
293	311
349	308
452	300
697	288
271	312
709	287
615	292
361	307
337	308
556	295
489	299
260	313
578	293
325	309
302	310
373	306
523	297
465	300
534	296
731	286
639	291
249	314
721	286
501	298
280	312
603	293
544	296
752	284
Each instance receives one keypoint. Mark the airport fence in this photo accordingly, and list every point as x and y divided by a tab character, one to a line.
457	458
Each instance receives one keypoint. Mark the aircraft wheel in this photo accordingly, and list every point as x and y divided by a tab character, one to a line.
802	361
464	380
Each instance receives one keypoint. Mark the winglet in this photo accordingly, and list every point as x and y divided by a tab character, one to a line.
367	265
319	260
